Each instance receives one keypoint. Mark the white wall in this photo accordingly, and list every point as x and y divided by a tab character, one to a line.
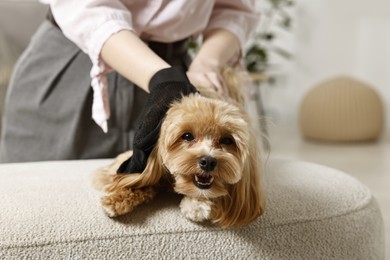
331	38
19	19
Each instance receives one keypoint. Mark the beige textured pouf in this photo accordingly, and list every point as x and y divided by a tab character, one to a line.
342	109
50	211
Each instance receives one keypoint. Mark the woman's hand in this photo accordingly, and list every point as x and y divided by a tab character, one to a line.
203	73
219	49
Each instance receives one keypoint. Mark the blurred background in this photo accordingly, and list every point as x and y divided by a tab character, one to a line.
310	48
300	46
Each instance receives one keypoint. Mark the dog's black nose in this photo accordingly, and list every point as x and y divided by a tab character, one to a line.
207	163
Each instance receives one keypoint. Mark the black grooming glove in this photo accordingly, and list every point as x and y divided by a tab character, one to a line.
166	86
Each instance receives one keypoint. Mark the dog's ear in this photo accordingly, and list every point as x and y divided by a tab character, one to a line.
234	81
245	201
150	176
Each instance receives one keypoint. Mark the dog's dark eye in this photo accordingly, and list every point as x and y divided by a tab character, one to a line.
188	137
226	141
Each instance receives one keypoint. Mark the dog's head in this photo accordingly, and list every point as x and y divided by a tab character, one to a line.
210	150
204	145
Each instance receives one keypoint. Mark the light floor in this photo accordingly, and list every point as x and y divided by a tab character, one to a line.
367	162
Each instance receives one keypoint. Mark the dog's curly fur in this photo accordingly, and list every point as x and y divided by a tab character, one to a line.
207	151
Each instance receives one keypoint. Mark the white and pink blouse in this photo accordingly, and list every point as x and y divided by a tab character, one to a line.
89	23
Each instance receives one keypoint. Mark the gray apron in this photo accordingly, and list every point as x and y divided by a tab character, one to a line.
49	101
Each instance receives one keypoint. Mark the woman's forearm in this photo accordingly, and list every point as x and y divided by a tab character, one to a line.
218	48
127	54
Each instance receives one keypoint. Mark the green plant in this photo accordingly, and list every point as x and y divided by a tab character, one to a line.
274	15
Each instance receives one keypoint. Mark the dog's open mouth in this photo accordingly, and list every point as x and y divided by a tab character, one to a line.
203	181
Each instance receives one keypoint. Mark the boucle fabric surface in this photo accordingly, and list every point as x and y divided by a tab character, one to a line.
50	211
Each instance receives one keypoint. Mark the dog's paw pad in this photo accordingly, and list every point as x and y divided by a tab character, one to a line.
195	210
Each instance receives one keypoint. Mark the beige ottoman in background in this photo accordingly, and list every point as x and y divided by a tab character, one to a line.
342	110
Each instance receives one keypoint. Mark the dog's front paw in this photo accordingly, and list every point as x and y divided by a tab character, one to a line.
196	210
124	201
118	203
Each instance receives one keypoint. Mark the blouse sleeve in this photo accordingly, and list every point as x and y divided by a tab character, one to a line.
238	16
89	23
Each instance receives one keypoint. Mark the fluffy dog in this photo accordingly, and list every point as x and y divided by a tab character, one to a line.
207	151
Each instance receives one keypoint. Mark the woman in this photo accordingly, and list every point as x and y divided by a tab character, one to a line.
123	50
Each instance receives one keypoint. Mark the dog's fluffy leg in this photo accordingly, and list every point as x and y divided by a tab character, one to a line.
195	209
124	201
